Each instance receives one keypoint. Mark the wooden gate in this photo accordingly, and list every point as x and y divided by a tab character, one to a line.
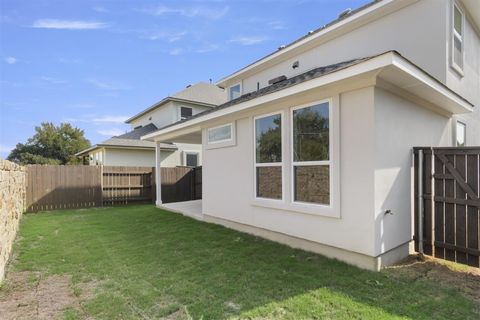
447	203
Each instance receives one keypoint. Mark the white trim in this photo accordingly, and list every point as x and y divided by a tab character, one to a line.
328	162
218	127
454	34
269	164
239	84
454	104
180	112
186	152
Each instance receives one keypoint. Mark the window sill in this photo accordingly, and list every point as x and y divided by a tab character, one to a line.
310	209
457	70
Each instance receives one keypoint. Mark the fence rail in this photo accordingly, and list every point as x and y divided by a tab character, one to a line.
52	187
447	203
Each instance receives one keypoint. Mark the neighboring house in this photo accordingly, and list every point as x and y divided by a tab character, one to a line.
314	149
129	150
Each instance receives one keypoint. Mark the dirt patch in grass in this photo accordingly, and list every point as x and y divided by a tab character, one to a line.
464	278
28	295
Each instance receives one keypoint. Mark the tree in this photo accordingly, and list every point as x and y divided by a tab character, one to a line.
51	145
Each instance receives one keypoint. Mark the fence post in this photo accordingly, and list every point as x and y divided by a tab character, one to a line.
420	200
101	185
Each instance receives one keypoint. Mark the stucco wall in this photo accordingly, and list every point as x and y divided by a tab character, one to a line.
399	126
12	206
403	30
229	188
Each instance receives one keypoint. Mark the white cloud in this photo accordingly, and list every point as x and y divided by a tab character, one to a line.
110	119
277	25
164	35
100	9
10	60
208	48
111	132
67	60
109	86
53	80
69	24
248	40
202	12
176	51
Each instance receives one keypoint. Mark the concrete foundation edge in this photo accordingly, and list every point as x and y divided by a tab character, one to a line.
357	259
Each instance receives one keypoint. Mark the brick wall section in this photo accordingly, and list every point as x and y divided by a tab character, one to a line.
12	206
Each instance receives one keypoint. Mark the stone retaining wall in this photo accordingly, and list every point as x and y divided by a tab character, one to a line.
12	206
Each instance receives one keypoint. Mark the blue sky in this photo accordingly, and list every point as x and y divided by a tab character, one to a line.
94	63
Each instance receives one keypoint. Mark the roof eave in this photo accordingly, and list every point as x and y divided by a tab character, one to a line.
391	59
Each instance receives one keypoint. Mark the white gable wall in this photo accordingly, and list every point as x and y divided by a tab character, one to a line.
166	114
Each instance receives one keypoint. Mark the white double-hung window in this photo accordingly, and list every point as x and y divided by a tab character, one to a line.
311	154
268	156
458	38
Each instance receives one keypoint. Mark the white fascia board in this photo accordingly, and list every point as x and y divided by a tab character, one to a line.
369	14
427	80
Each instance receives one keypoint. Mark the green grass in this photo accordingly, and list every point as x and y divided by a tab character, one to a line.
151	263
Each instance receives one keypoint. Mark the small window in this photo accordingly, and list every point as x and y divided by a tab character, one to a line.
220	134
185	112
234	91
191	159
461	132
311	154
457	37
268	157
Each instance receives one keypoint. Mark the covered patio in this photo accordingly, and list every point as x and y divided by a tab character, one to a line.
192	208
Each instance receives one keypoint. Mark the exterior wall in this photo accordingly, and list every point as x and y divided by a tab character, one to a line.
399	126
232	199
166	114
422	43
467	84
12	206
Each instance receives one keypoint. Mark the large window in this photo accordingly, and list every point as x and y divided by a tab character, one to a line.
235	91
311	153
268	157
220	134
457	37
461	131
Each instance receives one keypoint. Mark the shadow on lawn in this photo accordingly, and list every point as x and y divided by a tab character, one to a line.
162	262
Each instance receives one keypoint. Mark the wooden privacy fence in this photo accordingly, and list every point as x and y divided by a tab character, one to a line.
447	203
52	187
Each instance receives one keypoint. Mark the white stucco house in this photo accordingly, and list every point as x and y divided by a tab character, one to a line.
314	148
128	150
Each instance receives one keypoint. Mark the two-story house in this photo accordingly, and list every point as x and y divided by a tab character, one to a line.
128	150
314	148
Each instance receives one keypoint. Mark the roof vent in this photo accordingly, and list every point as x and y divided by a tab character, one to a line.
277	79
344	13
188	86
282	47
310	32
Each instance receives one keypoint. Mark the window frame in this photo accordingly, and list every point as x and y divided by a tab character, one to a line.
464	124
461	37
180	112
239	84
231	139
328	162
187	152
269	164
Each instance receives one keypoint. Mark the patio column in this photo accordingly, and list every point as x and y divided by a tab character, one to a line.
158	174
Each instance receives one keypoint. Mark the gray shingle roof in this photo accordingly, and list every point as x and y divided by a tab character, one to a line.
202	93
131	139
289	82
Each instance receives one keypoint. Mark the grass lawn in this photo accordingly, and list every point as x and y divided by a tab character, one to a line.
148	264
